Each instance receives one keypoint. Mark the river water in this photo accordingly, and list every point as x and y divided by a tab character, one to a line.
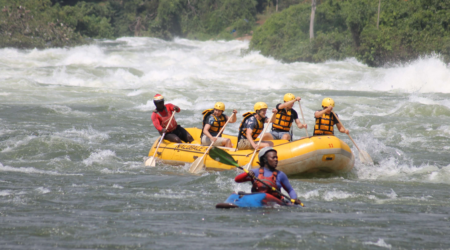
75	128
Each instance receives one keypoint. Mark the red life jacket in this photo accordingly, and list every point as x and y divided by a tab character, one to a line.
258	187
165	120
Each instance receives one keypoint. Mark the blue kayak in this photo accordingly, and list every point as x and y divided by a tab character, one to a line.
252	200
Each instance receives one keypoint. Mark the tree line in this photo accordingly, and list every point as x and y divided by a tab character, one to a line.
376	32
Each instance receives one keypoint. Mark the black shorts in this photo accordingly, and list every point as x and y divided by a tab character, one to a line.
181	133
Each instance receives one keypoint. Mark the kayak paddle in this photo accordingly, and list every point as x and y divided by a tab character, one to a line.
363	155
222	156
150	162
199	163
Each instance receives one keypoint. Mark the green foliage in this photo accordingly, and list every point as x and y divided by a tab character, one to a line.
285	35
33	24
407	30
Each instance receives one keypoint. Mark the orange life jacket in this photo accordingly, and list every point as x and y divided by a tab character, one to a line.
324	125
283	120
218	124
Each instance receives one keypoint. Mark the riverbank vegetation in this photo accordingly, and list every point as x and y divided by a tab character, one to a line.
406	31
280	28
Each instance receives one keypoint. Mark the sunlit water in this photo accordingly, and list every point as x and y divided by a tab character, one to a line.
75	128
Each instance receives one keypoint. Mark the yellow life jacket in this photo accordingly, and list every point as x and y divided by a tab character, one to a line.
255	132
283	120
324	125
218	124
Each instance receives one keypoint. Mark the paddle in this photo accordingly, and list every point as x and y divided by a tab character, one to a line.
303	118
198	164
363	155
249	164
150	162
222	156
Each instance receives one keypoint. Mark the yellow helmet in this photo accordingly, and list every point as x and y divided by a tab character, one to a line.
219	106
327	102
289	97
260	105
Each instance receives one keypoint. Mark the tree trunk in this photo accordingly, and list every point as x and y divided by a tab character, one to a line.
379	7
276	8
311	22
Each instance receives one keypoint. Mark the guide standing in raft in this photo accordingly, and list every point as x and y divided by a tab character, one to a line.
161	117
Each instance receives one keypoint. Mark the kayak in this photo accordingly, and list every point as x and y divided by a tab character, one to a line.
252	200
313	154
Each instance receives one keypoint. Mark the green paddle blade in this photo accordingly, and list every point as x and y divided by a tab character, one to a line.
222	156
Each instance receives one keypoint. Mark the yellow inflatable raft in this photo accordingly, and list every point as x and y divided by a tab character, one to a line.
308	155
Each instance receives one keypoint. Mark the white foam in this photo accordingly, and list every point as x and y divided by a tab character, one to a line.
99	156
28	170
5	192
43	190
91	135
425	75
379	243
336	195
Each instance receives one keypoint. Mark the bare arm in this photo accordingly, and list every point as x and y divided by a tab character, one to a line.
234	117
248	134
300	125
319	114
206	132
342	129
289	104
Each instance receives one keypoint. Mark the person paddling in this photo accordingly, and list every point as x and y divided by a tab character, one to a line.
325	120
213	121
161	117
268	161
285	115
252	126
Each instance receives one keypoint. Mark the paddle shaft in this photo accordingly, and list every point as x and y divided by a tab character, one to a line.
259	142
274	189
348	135
220	132
162	137
303	117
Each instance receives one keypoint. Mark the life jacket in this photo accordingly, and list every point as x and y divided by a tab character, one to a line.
258	187
218	124
324	125
255	132
283	120
165	120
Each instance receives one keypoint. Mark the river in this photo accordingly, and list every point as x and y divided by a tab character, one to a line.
75	128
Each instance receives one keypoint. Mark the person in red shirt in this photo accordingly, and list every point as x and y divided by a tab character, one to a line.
161	117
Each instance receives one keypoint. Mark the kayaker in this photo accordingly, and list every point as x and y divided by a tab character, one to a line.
285	115
268	161
213	121
252	126
325	120
161	116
